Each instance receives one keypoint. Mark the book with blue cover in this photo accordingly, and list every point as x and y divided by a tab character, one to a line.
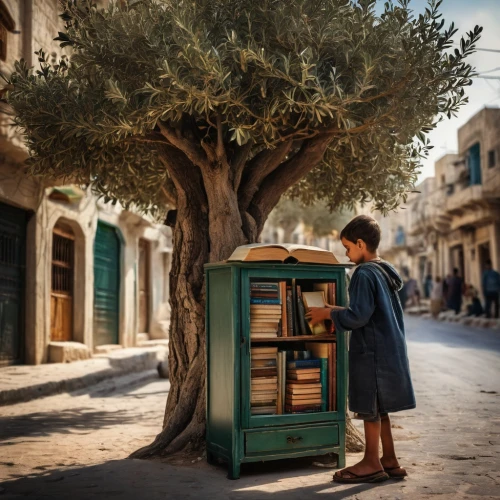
304	363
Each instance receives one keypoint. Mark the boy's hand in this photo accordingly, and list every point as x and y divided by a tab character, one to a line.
316	314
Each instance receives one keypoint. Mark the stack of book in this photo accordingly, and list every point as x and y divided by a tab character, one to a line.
265	310
264	380
304	386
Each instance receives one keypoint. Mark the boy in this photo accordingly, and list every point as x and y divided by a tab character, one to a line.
379	374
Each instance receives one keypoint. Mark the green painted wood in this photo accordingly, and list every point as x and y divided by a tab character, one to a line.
222	366
12	279
291	439
232	433
278	455
106	285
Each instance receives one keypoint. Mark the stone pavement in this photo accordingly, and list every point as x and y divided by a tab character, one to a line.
75	445
450	316
24	382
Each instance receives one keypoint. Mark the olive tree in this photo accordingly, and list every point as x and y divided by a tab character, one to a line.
215	109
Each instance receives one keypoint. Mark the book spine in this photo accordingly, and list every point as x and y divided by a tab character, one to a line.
330	377
305	363
289	313
324	383
279	403
283	378
264	286
283	308
334	378
301	312
294	309
302	408
258	300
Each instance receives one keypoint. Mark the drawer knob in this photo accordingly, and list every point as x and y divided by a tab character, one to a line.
291	439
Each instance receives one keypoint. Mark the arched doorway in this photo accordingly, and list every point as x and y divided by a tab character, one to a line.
62	290
106	285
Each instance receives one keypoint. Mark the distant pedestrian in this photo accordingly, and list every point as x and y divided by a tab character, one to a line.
446	286
436	296
474	306
491	289
428	286
455	292
411	291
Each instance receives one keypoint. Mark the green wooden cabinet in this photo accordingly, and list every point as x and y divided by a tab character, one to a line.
233	434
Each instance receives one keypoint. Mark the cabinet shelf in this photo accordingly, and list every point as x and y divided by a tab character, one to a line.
297	338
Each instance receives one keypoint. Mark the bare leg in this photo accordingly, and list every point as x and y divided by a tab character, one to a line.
389	458
371	461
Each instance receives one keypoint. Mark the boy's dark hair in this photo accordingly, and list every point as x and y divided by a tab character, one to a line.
363	227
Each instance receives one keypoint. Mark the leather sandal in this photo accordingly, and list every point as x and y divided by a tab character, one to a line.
396	472
374	477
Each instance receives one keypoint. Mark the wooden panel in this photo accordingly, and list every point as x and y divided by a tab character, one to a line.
61	301
222	366
61	317
293	438
144	286
12	273
106	285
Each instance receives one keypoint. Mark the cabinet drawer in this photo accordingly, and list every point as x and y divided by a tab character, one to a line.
292	438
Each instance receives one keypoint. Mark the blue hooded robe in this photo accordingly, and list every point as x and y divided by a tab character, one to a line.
379	372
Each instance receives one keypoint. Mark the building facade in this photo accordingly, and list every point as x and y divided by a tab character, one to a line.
453	220
73	271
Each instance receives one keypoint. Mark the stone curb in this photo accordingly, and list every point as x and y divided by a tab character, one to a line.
122	362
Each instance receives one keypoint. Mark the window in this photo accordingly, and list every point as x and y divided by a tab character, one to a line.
492	158
443	180
473	163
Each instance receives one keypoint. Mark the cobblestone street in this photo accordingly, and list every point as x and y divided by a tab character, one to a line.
75	445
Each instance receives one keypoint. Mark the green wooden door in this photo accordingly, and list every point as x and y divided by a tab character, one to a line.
12	267
106	285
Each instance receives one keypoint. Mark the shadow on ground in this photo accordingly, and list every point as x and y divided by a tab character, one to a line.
75	420
132	479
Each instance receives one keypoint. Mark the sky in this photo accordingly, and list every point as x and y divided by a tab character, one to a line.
466	14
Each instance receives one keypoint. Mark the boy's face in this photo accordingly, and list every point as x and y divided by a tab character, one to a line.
355	251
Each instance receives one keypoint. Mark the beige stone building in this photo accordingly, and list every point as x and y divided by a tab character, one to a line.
454	219
75	274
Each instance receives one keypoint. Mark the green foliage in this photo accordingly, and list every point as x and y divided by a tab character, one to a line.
267	72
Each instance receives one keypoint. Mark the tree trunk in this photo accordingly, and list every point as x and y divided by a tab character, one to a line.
206	230
208	227
184	421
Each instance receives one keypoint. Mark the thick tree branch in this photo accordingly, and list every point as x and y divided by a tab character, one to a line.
185	176
238	162
171	200
190	149
285	176
260	166
220	149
